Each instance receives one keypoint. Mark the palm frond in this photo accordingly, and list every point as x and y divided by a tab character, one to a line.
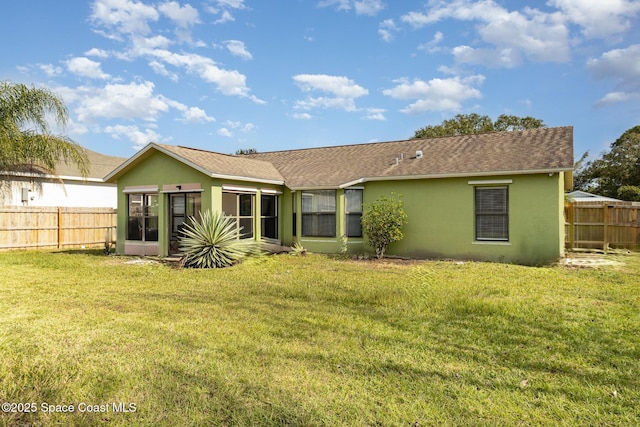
25	136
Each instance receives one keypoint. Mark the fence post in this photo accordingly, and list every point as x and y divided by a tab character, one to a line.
59	228
569	212
605	225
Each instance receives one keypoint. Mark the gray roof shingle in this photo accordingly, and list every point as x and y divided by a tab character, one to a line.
227	165
479	154
498	153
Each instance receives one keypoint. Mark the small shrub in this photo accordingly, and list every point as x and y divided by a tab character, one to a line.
382	222
213	242
298	250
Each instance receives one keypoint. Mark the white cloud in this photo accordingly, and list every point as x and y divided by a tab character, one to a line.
599	18
223	7
184	16
228	82
368	7
302	116
98	53
361	7
616	97
386	29
436	94
232	124
433	45
50	69
339	86
224	132
160	69
343	89
622	66
225	16
123	101
85	67
540	37
375	114
132	19
134	134
233	4
339	4
197	115
237	48
124	16
243	127
505	57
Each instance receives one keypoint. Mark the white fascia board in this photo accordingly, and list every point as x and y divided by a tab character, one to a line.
245	178
316	187
489	181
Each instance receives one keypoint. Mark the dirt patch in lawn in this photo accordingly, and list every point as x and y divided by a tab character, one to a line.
591	260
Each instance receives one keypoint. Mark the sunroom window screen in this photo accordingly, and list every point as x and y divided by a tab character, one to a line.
142	217
492	213
319	213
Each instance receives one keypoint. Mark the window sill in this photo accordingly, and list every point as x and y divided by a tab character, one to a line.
491	242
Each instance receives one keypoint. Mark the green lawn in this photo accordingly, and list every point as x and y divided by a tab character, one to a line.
317	341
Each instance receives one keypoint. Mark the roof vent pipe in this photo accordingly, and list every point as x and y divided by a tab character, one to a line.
419	154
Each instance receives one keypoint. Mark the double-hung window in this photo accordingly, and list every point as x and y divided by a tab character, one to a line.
353	212
492	213
142	217
319	213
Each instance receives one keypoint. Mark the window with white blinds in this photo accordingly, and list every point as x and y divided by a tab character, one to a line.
319	213
492	213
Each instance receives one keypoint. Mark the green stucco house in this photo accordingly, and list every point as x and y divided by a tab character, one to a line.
494	196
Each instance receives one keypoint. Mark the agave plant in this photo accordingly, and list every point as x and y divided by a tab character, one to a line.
213	242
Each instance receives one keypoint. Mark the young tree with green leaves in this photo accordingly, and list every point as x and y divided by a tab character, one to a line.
26	142
382	222
466	124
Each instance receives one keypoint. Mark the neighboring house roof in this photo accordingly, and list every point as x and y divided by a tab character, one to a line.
518	152
98	164
583	196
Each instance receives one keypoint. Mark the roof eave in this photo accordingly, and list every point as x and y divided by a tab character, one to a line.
50	176
246	179
429	176
123	167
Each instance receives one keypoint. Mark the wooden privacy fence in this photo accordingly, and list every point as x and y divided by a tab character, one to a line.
602	226
40	227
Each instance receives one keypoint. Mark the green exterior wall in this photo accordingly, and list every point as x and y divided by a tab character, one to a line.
159	169
440	213
441	218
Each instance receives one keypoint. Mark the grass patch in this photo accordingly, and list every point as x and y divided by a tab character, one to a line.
317	341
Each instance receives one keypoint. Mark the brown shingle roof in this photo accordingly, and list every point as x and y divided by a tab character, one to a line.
227	165
537	150
99	165
548	149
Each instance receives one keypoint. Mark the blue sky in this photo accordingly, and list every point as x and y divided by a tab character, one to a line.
229	74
